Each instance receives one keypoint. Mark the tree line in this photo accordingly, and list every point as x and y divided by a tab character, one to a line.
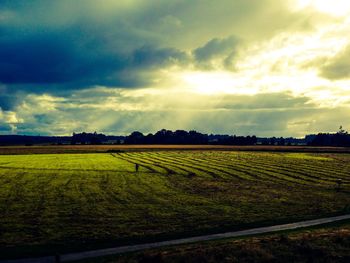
187	137
340	138
164	136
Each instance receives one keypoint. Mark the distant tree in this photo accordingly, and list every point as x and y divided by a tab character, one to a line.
341	130
273	141
88	138
135	137
281	141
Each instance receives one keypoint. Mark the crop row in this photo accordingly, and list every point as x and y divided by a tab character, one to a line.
305	170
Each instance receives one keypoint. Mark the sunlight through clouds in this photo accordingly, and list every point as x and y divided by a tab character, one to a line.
281	64
332	7
217	82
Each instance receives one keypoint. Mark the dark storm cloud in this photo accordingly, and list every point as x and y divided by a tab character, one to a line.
7	102
38	58
66	57
78	44
223	49
337	67
8	99
5	128
149	57
53	44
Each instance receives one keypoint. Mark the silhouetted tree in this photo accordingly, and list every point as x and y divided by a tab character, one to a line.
135	137
341	138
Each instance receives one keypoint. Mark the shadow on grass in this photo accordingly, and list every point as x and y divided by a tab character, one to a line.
67	246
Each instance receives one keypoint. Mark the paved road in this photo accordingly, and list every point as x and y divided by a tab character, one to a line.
132	248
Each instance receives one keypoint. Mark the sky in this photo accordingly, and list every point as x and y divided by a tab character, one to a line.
245	67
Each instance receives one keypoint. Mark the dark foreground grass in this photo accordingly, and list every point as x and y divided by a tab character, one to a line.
67	202
329	244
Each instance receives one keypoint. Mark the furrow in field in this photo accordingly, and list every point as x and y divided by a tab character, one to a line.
324	175
146	166
249	172
283	175
160	168
321	171
244	171
205	165
314	166
265	166
182	166
291	171
267	173
174	168
308	173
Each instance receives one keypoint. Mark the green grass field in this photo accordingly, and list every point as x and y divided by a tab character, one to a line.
64	202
